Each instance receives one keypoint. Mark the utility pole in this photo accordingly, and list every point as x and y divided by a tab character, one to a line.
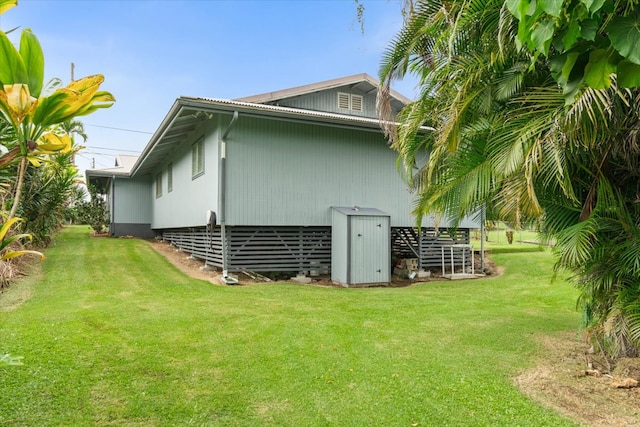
93	163
73	66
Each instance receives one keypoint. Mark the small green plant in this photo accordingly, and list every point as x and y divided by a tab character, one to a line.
94	212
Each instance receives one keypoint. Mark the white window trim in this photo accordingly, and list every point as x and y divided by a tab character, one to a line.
169	177
159	185
197	158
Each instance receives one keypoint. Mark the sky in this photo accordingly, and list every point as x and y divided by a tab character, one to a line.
152	52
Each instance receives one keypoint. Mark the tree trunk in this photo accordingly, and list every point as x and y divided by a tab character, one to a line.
16	199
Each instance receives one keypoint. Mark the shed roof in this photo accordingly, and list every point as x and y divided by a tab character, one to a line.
359	211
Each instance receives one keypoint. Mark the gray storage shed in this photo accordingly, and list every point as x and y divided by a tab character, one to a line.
360	246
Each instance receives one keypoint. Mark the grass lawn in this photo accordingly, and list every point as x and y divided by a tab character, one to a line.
496	241
112	334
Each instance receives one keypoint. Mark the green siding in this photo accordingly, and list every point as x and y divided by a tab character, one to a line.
186	205
288	173
327	101
131	204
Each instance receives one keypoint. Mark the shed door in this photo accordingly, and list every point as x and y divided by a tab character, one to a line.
370	253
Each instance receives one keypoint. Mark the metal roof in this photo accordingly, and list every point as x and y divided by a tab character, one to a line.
362	82
187	113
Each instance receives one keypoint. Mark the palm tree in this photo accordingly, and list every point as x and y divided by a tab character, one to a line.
507	139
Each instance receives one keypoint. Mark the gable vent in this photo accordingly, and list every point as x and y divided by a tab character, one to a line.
356	102
343	101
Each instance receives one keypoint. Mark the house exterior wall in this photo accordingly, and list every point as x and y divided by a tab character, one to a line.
186	205
130	207
327	101
287	173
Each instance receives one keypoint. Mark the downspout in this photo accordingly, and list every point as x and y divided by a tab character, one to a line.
223	198
112	227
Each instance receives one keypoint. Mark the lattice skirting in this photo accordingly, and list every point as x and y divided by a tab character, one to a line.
426	245
306	249
260	249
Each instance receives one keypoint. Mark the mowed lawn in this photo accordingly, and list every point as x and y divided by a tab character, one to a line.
112	334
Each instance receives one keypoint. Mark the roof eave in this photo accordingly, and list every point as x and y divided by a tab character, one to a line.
315	87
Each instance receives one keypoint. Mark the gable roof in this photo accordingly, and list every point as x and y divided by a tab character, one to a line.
123	166
187	113
363	82
126	162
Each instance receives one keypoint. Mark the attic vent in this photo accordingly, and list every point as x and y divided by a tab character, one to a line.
356	102
347	101
343	101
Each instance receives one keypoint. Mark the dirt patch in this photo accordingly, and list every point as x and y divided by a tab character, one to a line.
193	268
565	381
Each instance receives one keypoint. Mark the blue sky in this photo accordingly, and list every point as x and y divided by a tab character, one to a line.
152	52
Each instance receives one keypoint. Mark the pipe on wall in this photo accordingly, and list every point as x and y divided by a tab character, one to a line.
223	197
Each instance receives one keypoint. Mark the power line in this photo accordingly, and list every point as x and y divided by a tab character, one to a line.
93	161
121	129
112	149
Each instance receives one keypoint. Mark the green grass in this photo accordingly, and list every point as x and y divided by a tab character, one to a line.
496	241
114	335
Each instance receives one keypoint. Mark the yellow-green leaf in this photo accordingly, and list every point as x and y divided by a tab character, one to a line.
15	254
13	69
6	5
6	226
33	59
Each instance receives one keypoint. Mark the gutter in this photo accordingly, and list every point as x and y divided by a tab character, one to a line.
222	184
165	126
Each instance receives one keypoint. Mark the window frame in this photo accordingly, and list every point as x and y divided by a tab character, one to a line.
170	177
159	185
197	158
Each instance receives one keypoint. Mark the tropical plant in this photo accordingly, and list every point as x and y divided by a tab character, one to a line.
76	198
507	139
34	111
48	191
587	42
6	240
94	211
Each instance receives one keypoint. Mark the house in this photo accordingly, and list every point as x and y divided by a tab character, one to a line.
263	183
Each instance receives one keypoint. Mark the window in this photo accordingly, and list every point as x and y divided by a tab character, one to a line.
347	101
197	158
169	177
159	185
